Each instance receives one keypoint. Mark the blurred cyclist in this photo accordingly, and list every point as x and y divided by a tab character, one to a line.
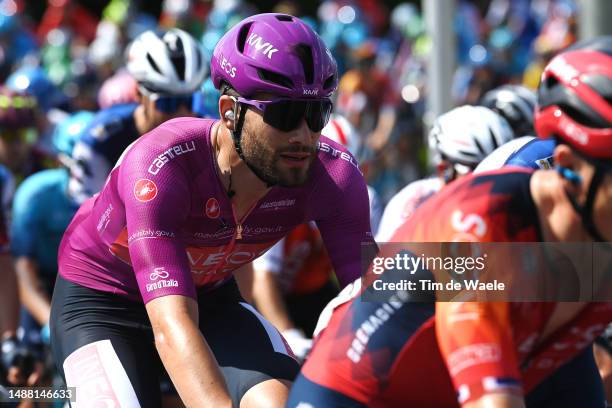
146	266
498	354
460	139
516	104
118	89
17	131
292	280
168	70
17	112
42	209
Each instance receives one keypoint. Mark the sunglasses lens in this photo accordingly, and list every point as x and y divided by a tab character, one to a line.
287	115
317	114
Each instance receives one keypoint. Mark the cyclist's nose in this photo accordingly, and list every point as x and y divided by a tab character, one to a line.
302	135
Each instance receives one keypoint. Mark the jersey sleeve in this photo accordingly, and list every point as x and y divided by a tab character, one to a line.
476	343
345	224
156	207
25	219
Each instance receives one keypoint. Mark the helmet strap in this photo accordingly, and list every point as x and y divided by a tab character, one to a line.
237	137
586	210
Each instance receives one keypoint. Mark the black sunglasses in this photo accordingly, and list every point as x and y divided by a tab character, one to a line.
286	114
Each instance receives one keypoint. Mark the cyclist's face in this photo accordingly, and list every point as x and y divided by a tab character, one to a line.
282	158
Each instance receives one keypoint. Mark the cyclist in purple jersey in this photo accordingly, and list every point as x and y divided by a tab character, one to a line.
149	261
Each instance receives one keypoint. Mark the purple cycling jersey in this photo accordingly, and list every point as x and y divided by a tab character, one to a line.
163	224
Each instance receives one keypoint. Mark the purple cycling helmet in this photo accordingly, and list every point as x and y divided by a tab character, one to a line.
277	54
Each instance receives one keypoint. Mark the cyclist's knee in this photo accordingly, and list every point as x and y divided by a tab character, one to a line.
270	393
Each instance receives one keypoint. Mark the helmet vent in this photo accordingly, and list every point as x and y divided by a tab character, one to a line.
587	118
242	36
152	62
329	82
284	17
304	53
275	78
480	148
601	84
177	56
493	139
198	60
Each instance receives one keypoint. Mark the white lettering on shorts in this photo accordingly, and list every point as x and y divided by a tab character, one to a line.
99	377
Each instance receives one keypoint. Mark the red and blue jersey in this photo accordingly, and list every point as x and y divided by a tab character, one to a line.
426	354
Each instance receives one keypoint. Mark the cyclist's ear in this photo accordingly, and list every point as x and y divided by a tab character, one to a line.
226	111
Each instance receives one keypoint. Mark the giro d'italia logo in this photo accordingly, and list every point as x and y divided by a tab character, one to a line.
213	209
145	190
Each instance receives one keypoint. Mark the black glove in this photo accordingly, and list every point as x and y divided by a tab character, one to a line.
14	354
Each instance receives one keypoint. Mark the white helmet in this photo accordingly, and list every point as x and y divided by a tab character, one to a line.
516	104
171	65
340	130
468	134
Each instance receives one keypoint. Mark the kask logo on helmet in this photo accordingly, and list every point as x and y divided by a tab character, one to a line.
259	43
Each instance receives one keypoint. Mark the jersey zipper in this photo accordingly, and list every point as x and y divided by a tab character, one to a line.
239	222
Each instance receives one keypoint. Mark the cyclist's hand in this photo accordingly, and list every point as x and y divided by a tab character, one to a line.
300	345
18	366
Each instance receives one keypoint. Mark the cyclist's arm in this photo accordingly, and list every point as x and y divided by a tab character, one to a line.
183	350
31	290
476	343
162	271
345	226
9	299
25	235
266	291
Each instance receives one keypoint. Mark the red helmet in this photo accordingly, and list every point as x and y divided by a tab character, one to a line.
575	101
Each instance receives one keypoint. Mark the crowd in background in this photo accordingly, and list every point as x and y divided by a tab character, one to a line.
381	53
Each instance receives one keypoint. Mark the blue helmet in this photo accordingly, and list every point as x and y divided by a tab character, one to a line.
36	82
206	101
67	132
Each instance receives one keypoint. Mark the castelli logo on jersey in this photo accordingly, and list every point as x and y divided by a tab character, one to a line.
213	209
145	190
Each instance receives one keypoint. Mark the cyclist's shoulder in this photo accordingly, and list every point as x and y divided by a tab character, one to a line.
175	137
336	159
38	192
181	140
43	181
483	205
110	122
525	151
535	154
418	188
